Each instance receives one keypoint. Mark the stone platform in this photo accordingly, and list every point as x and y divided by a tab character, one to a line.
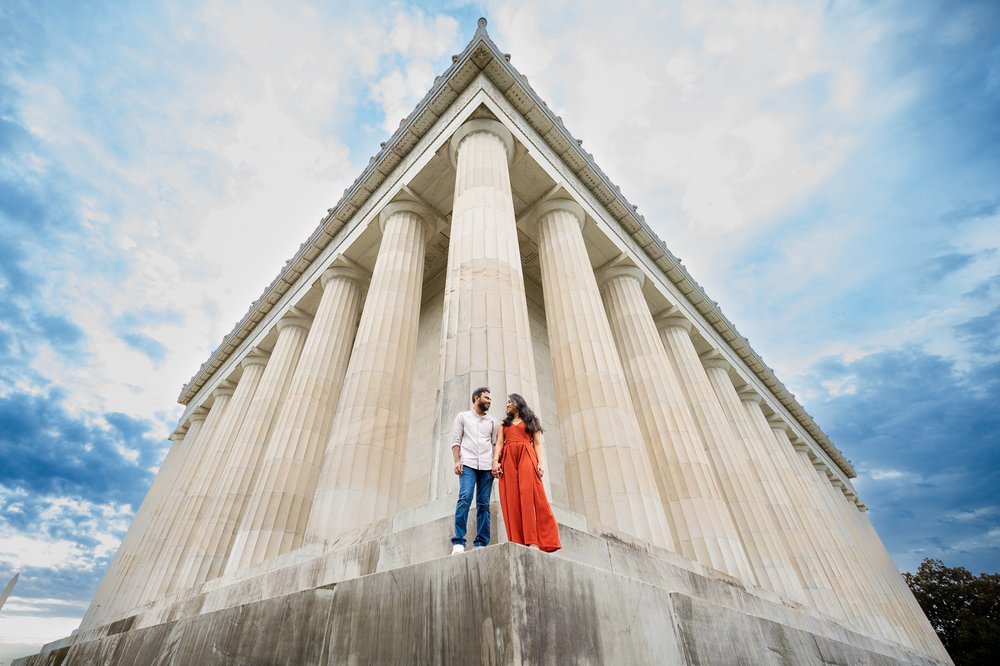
392	594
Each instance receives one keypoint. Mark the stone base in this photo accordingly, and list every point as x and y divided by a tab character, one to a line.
394	596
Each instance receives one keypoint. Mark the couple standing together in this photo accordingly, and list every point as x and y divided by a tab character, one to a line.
511	452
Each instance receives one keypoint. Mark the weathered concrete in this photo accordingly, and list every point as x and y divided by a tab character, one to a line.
391	595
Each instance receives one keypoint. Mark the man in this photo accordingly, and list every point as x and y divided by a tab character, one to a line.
472	438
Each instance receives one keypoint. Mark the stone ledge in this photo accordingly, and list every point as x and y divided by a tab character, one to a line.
502	605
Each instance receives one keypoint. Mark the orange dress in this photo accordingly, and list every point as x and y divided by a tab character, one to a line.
526	511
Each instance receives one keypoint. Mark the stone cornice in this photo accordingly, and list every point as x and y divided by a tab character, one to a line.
481	55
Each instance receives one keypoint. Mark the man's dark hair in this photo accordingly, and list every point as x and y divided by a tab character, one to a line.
479	391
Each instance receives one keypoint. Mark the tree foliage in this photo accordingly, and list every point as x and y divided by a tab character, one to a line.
963	609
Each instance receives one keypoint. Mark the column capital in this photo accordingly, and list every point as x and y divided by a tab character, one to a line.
714	359
470	127
255	357
551	205
294	317
225	387
777	422
606	274
199	414
748	393
342	267
672	318
426	215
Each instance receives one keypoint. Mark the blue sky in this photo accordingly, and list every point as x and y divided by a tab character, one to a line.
829	173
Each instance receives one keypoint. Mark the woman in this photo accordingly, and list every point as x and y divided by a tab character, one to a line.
517	462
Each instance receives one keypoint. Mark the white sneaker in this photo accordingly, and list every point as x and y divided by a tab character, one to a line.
457	549
478	547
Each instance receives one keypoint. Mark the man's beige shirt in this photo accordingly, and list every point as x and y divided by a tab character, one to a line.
474	434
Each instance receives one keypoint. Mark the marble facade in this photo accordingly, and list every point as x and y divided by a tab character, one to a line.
483	246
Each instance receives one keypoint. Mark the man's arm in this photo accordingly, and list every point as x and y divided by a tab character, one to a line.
456	444
497	452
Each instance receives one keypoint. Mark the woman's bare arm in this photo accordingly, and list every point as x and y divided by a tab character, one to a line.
536	439
497	450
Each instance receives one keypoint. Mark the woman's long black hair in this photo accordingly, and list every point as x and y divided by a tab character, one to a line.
532	423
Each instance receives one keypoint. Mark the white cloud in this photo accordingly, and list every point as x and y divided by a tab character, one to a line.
18	551
33	630
43	544
988	540
973	514
887	474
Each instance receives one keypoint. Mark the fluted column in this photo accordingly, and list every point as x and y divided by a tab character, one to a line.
816	524
924	633
609	477
216	533
208	473
845	577
720	444
761	532
485	337
361	481
892	618
774	471
145	521
701	525
278	510
153	553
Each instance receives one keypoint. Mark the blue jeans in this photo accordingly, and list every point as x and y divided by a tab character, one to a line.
482	481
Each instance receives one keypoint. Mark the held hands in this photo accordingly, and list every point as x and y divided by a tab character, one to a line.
497	470
458	468
539	471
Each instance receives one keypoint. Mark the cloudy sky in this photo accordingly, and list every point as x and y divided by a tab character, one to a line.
829	172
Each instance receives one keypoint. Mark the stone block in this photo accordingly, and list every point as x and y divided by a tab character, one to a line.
506	604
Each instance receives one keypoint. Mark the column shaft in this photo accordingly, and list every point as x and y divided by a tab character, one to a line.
143	524
893	622
361	481
719	441
154	551
609	478
485	336
206	477
845	577
278	509
702	528
762	532
924	633
776	474
225	511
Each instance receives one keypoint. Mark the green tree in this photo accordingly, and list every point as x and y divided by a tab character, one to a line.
963	609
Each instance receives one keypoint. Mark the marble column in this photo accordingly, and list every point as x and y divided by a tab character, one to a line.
154	553
845	578
774	471
207	476
214	539
760	526
485	337
895	624
719	441
609	477
702	528
361	481
815	526
279	507
923	632
146	522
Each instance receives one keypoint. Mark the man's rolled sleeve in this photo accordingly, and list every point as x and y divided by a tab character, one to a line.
456	432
